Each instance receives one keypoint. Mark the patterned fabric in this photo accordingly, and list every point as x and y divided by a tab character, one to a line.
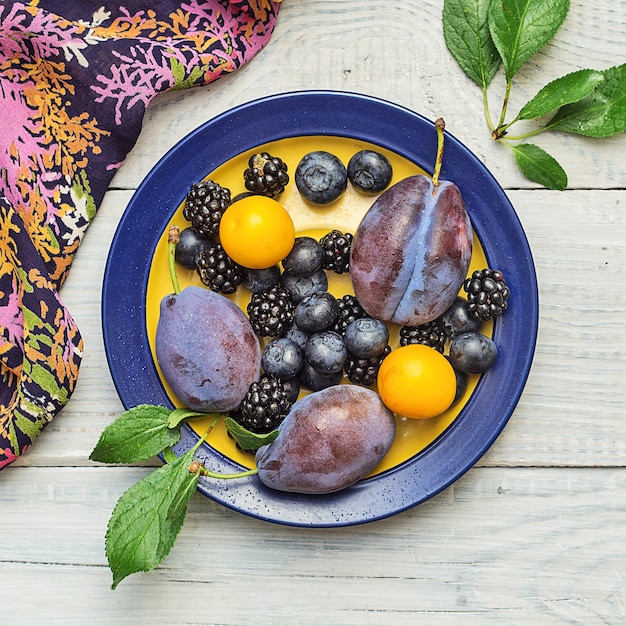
75	80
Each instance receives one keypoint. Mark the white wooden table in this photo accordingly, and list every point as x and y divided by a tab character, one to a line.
533	534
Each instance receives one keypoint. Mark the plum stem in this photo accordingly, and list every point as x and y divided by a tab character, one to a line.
196	467
440	126
173	237
212	425
205	472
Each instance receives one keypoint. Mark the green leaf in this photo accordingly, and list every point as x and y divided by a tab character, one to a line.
180	415
466	33
564	90
136	435
601	114
168	455
537	165
140	534
180	499
246	439
520	28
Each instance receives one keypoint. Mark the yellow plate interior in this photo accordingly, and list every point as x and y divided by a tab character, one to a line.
412	436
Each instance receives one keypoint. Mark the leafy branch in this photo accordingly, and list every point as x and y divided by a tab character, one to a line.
148	516
483	35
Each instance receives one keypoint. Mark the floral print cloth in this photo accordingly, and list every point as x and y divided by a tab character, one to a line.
76	77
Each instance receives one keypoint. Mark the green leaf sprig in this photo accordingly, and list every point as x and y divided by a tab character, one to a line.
483	35
148	516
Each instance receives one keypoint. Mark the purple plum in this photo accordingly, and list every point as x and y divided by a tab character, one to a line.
329	440
206	349
412	250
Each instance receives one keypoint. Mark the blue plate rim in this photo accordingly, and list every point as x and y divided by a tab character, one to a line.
394	127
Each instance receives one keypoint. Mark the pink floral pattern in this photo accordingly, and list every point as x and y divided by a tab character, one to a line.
75	81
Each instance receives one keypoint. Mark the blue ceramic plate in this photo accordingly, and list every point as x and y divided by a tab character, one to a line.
355	118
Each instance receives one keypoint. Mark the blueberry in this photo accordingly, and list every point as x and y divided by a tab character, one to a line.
261	280
282	358
305	257
317	311
461	382
301	285
369	171
189	247
321	177
461	385
472	353
315	380
242	195
326	352
366	337
458	319
297	335
292	387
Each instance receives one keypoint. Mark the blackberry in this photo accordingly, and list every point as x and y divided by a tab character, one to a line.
336	246
430	334
487	294
266	175
264	406
364	371
217	270
270	312
349	310
205	204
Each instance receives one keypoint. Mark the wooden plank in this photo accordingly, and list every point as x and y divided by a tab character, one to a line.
501	546
572	407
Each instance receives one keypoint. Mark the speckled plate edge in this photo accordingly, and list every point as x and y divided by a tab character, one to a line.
408	134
